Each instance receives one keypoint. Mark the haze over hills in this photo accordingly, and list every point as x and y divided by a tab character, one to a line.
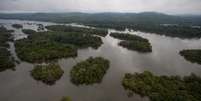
88	18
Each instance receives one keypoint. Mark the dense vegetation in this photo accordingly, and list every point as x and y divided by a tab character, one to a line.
48	74
66	98
171	30
146	21
17	26
28	31
139	46
164	88
41	27
47	46
6	60
128	37
133	42
89	71
36	50
63	28
180	31
192	55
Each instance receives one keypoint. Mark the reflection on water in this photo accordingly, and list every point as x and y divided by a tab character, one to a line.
164	60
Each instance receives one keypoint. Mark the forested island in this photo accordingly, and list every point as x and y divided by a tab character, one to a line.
6	60
89	71
64	28
47	46
133	42
164	88
192	55
38	50
28	31
48	73
17	26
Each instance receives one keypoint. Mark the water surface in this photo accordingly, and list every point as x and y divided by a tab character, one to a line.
18	85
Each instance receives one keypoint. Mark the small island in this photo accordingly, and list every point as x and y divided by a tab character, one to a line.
48	74
127	37
89	71
17	26
133	42
136	45
65	28
6	60
163	88
28	31
192	55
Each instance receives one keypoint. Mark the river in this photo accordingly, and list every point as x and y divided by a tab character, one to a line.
18	85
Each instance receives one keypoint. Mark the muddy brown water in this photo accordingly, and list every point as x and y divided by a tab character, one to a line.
18	85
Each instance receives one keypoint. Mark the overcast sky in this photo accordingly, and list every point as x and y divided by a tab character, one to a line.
164	6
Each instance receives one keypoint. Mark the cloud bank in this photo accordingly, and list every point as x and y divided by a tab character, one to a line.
164	6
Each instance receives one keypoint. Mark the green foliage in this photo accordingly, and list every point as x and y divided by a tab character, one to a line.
33	50
192	55
76	39
47	46
128	37
5	35
146	21
164	88
63	28
18	26
6	60
48	74
28	31
172	31
89	71
133	42
139	46
66	98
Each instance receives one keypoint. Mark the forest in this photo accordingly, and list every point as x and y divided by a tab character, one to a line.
145	21
179	31
46	46
163	88
39	50
6	60
17	26
63	28
172	30
133	42
192	55
28	31
66	98
90	71
48	73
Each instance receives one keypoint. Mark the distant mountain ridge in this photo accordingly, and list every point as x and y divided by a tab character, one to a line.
87	18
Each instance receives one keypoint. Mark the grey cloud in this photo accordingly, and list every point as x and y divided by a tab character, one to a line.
165	6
